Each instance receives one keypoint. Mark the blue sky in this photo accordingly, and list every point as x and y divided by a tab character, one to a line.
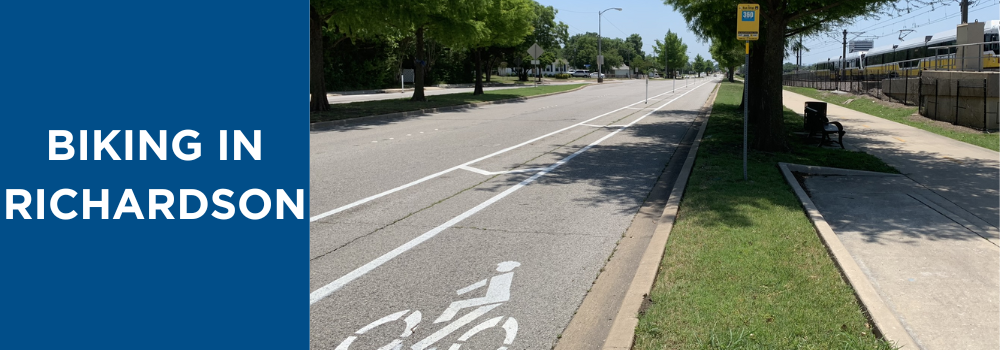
651	19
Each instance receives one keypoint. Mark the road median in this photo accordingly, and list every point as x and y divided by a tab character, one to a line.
743	266
340	114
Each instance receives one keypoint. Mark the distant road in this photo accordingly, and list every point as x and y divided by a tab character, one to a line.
430	91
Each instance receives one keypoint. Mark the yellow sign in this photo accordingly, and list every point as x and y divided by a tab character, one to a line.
748	22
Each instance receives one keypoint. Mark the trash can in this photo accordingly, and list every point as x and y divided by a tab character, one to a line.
815	117
815	109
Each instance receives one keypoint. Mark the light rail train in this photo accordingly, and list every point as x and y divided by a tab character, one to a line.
911	56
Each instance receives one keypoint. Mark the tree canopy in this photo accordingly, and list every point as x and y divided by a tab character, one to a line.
676	52
729	54
698	65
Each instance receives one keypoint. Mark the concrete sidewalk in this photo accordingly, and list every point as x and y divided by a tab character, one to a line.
927	241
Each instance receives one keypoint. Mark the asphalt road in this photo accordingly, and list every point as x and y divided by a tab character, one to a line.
482	227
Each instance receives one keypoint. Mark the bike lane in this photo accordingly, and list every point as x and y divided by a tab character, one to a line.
560	229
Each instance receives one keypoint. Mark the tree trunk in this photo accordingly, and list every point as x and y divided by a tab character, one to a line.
317	88
732	72
489	65
479	73
418	68
765	106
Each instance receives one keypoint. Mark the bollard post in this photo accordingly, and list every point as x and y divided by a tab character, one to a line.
402	87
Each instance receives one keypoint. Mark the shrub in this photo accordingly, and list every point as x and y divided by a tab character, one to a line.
562	76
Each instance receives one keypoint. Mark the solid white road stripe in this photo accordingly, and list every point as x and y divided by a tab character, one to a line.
328	289
428	177
491	173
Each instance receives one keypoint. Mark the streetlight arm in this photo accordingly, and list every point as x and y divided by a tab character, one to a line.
599	79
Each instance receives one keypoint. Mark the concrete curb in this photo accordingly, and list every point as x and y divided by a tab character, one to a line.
622	332
327	125
882	318
818	170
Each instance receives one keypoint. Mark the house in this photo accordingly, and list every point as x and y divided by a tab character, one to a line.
548	70
622	71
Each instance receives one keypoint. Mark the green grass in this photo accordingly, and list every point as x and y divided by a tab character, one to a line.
360	109
744	267
900	115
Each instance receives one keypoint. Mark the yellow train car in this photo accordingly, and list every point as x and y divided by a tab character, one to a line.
908	58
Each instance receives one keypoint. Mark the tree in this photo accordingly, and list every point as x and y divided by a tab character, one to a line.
451	22
505	23
779	19
698	65
676	52
639	65
548	34
708	67
317	89
634	48
728	54
581	50
340	20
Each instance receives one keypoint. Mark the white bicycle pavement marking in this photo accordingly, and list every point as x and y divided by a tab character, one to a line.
331	287
434	175
497	292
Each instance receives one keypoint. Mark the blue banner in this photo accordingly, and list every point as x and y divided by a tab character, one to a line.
155	175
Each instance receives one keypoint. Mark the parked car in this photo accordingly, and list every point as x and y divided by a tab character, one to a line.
594	75
580	73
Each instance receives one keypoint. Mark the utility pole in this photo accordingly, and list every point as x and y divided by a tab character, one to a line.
843	59
965	11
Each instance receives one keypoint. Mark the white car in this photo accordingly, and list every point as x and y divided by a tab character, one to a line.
580	73
594	75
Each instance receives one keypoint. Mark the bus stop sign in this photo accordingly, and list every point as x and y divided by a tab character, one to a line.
748	22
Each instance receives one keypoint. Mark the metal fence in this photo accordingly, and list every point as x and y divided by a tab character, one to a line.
968	102
882	85
975	57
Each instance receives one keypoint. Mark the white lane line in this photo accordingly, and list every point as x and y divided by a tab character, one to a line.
602	126
428	177
475	170
331	287
491	173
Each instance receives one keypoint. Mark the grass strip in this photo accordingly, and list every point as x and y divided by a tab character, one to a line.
902	115
361	109
744	267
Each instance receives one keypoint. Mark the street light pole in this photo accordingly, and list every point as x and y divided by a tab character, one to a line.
599	56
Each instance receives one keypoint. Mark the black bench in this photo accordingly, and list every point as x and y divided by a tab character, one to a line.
816	122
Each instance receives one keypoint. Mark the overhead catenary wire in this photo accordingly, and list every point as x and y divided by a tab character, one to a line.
981	6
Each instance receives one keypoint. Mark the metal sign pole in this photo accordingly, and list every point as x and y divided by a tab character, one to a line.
746	93
747	28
